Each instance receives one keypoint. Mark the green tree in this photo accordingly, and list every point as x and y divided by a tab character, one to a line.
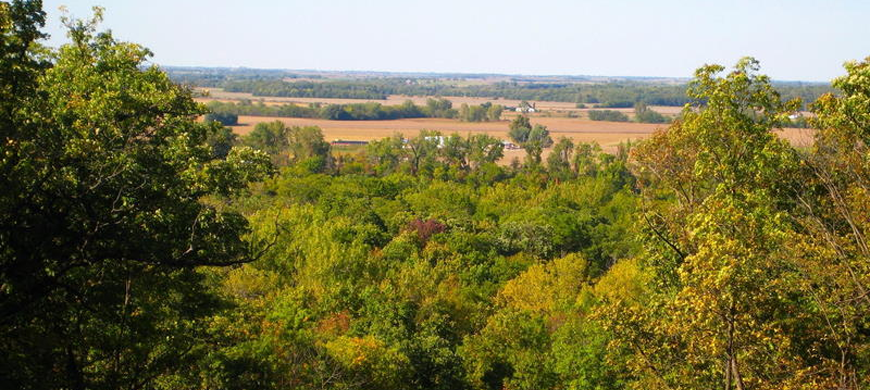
831	251
586	159
532	139
519	129
722	313
538	139
559	160
272	138
439	108
221	142
386	154
483	149
493	113
607	115
224	118
307	144
455	151
644	114
104	167
422	151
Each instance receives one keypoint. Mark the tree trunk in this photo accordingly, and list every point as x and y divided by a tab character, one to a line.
736	372
728	379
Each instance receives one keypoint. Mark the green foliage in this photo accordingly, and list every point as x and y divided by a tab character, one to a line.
399	279
644	114
269	137
483	113
224	118
103	170
439	108
830	250
725	302
302	146
712	255
519	129
609	94
532	139
221	142
307	144
559	160
607	115
227	112
384	155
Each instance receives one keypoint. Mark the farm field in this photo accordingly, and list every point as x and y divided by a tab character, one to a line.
579	130
606	134
217	94
550	114
617	210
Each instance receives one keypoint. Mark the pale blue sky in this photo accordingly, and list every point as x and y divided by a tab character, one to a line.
794	40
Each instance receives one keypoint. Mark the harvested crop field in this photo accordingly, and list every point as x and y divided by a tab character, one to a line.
607	134
217	94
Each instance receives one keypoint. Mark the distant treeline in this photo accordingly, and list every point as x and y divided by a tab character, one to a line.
434	108
607	115
614	94
642	114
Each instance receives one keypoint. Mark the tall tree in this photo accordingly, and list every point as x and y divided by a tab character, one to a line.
307	143
532	139
559	160
832	250
484	149
519	129
101	223
422	150
270	137
722	312
455	151
384	155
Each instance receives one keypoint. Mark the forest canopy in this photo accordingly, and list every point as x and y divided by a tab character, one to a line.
143	248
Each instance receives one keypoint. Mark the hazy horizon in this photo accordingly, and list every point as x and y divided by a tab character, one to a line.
376	71
668	39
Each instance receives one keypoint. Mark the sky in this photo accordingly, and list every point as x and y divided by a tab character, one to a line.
805	40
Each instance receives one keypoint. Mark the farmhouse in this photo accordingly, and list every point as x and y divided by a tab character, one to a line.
526	107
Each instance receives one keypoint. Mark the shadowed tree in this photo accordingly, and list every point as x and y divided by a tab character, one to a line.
559	160
101	224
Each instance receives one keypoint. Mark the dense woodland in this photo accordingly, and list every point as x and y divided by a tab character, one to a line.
141	248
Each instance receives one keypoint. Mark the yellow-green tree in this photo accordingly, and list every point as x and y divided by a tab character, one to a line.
724	309
831	248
